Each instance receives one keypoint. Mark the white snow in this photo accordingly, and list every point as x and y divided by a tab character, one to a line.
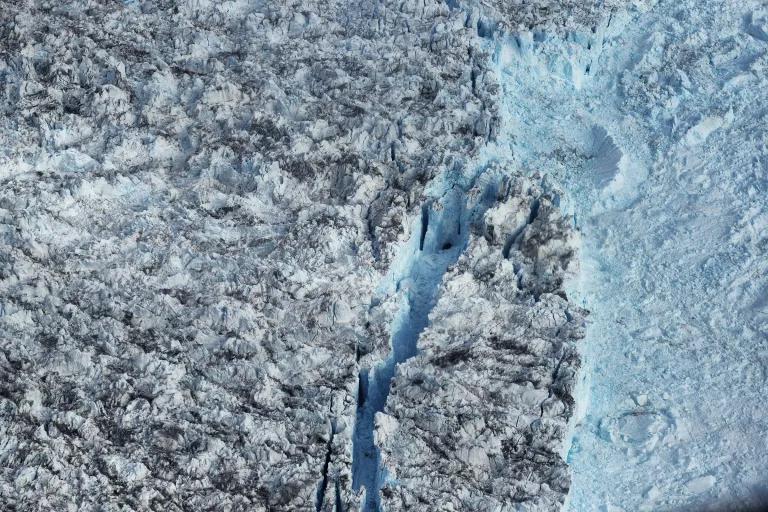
124	469
700	484
698	134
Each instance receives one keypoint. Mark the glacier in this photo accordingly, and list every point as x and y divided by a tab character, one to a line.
416	255
660	145
438	238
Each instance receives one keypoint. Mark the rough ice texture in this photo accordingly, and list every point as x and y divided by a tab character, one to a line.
197	202
546	16
477	420
195	199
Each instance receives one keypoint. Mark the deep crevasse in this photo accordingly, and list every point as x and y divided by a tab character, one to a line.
418	280
439	236
648	122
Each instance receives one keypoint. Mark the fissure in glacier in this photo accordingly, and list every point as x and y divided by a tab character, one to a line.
439	238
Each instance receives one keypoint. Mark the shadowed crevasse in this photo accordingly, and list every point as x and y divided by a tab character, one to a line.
442	237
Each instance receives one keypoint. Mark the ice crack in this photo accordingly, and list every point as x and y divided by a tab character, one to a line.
321	491
440	238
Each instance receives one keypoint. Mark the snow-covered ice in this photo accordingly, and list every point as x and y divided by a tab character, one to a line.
663	154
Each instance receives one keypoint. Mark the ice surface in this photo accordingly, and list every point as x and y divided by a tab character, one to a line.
663	156
199	202
477	419
322	255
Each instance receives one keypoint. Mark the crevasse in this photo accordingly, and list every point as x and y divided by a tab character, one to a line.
439	236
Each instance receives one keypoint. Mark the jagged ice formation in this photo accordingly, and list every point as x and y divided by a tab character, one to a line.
280	255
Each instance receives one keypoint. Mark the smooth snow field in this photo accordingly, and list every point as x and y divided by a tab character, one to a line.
655	125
